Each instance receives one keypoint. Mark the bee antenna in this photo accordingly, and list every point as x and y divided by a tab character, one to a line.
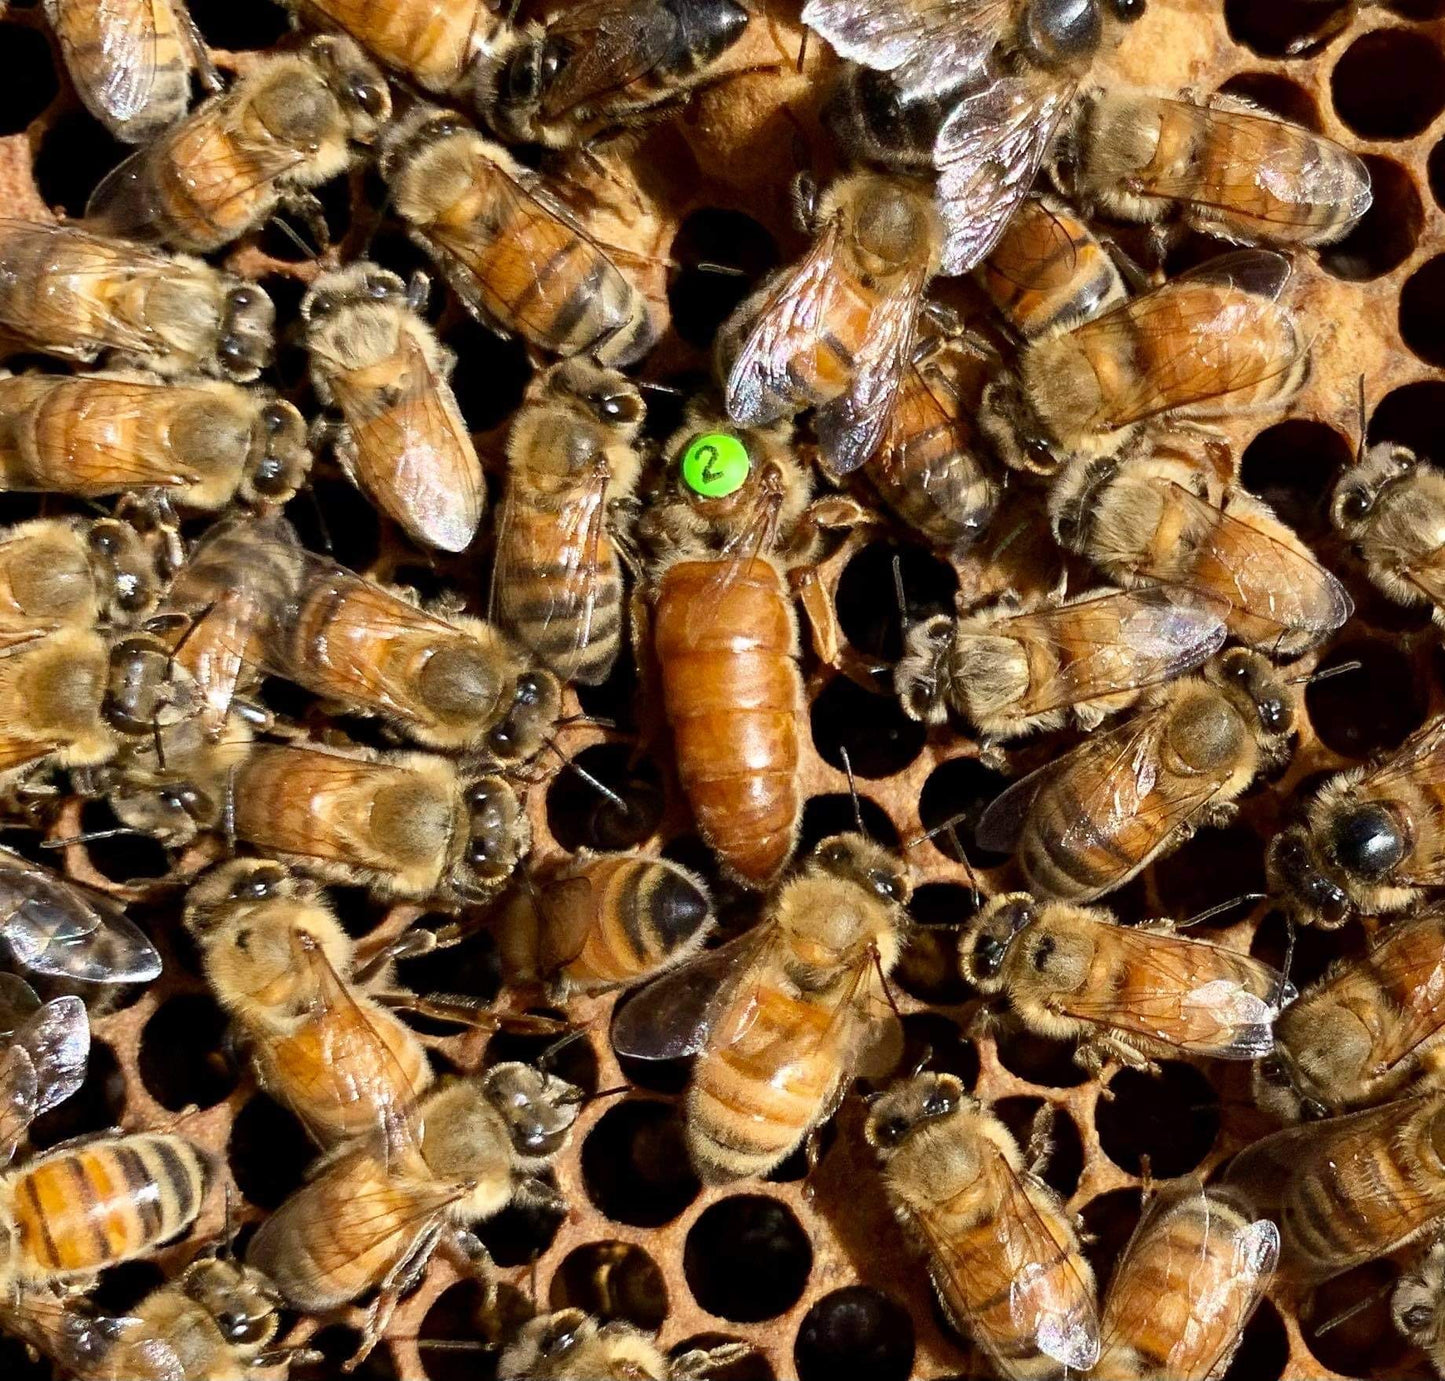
310	251
601	788
1360	451
653	387
1291	932
1309	678
545	1059
803	48
853	792
1358	1307
921	1063
88	837
585	721
1218	909
725	270
949	827
898	590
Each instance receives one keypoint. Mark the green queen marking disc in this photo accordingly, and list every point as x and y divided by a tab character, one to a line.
715	464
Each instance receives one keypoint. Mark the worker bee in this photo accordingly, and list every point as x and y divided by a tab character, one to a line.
1187	1284
1126	993
1392	507
515	255
201	443
598	67
1416	1303
569	1345
402	438
836	331
572	466
72	572
52	694
1005	1257
375	1210
1024	665
1348	1189
1161	517
1226	168
1049	268
1087	822
604	921
77	295
1363	1031
130	61
294	121
782	1017
1209	344
1370	842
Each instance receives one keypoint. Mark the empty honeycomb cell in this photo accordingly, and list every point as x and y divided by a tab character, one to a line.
519	1234
461	1333
122	1287
97	1106
1346	1323
236	27
333	517
1293	466
123	857
719	256
612	1280
337	1344
1275	92
1108	1222
268	1152
1284	28
1064	1161
1223	865
747	1258
1171	1117
568	1056
832	813
798	1164
1405	104
490	375
285	238
16	1360
470	969
74	154
1263	1350
635	1166
867	597
752	1366
1386	235
30	83
1036	1060
855	1333
1370	710
935	1042
928	968
1310	953
616	700
182	1057
878	737
959	791
1422	311
581	817
1412	415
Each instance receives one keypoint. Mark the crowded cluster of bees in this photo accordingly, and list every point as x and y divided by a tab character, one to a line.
468	623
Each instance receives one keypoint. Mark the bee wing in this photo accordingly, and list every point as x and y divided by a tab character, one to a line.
928	45
1274	186
57	1040
851	428
80	1340
760	386
1280	585
1409	958
1057	256
1198	997
54	928
1118	641
19	1094
115	39
988	154
610	45
414	453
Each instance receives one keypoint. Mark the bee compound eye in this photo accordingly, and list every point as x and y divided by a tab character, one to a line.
1417	1318
988	953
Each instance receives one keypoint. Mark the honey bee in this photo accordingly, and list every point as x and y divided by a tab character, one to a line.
569	1345
402	438
1126	993
1159	517
201	443
1392	507
130	61
1005	1257
1209	344
597	67
52	694
1348	1189
77	295
782	1017
1089	821
375	1210
836	331
604	921
1226	168
1049	268
1363	1031
514	254
1186	1286
1415	1305
1370	842
1025	665
294	121
72	572
572	466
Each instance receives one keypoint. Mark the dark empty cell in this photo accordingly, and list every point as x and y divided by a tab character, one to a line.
1040	1061
868	599
337	1344
825	816
462	1314
929	967
568	1056
960	790
1277	94
855	1333
1417	9
1386	235
519	1234
1108	1223
1264	1348
280	235
123	1287
1346	1323
1217	866
879	738
1172	1117
747	1258
1403	105
333	517
934	1042
1314	949
1065	1161
1292	466
752	1366
635	1166
1284	28
1414	416
615	700
96	1106
471	969
225	25
612	1280
691	852
1361	712
581	817
795	1165
1435	168
490	376
358	913
720	256
74	154
123	857
182	1060
269	1151
16	1361
29	84
1422	311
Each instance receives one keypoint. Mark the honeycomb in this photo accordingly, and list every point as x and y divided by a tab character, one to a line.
813	1272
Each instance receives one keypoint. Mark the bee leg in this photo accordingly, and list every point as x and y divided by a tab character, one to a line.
398	1281
306	207
195	41
1041	1140
701	1363
530	1192
1222	813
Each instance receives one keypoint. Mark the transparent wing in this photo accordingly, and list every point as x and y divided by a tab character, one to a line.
19	1094
62	1328
123	35
1408	958
610	44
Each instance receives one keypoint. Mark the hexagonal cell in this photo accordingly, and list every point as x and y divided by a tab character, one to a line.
1285	28
867	598
1346	1323
936	1042
1172	1118
1218	867
747	1258
183	1061
519	1234
1263	1350
337	1344
720	256
1293	466
1362	712
1277	93
1405	104
929	966
1412	415
1435	171
832	813
611	1280
635	1165
955	795
1064	1163
569	1056
855	1334
269	1151
96	1106
879	739
1039	1061
461	1314
30	83
1386	235
1422	311
581	817
1109	1220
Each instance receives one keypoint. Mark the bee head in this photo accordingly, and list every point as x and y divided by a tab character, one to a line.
908	1105
985	945
1295	871
242	1301
538	1108
1356	498
246	337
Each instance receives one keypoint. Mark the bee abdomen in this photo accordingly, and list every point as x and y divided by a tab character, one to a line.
650	908
1064	854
